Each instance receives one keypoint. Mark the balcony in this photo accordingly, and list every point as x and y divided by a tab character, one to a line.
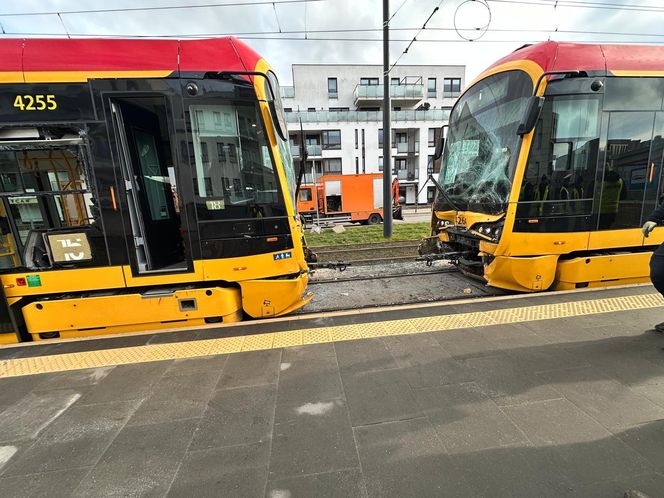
406	148
436	116
401	95
408	175
312	150
288	92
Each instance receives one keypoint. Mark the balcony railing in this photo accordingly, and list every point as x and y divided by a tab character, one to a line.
401	92
408	175
407	148
312	150
288	92
433	115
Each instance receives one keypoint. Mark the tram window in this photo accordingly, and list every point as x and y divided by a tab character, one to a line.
239	181
43	189
625	170
305	195
561	167
633	94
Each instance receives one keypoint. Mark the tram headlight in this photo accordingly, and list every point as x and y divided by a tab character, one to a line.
492	230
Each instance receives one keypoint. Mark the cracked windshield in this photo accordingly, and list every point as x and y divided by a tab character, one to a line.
482	145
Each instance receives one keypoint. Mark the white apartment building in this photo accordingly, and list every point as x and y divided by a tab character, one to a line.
340	108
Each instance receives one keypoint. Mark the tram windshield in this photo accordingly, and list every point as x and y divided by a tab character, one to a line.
482	145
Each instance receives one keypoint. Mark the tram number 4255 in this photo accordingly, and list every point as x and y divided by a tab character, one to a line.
35	102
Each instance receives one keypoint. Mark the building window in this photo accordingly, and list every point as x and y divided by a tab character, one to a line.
339	109
288	109
397	108
432	137
430	163
369	81
431	87
356	144
332	91
331	139
357	165
451	87
395	81
311	109
380	163
332	166
380	137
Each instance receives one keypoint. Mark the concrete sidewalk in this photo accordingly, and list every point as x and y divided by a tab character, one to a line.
562	407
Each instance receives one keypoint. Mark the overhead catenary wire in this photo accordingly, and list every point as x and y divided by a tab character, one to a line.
154	8
602	5
585	5
397	11
424	26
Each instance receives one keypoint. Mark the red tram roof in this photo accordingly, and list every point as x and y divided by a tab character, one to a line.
79	59
558	56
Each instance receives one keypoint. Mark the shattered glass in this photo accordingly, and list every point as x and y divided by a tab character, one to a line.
482	144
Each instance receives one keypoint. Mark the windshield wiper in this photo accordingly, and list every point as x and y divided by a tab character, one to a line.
443	193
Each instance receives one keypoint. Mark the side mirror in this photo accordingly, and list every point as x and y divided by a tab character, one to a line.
440	145
532	114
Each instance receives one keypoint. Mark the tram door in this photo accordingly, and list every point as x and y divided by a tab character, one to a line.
149	174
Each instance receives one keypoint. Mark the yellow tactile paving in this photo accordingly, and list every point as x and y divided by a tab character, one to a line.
319	335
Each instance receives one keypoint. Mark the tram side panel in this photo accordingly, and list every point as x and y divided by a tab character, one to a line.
219	256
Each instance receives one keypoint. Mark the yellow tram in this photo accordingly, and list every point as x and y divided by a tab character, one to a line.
551	164
143	184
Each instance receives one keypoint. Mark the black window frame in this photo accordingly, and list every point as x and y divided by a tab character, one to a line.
325	140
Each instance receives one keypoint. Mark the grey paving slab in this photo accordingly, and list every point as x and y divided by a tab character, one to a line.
506	383
252	368
73	379
177	397
188	366
340	484
7	452
608	401
651	484
545	358
647	440
424	362
631	362
407	459
512	472
28	417
320	439
12	389
309	374
141	461
364	355
379	396
126	382
78	438
235	471
600	460
47	485
511	336
465	343
466	419
555	422
236	417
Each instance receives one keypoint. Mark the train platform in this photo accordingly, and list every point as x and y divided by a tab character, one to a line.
557	395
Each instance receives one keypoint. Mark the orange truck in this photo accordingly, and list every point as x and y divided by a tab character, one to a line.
343	198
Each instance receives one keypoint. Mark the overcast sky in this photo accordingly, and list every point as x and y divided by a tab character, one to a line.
362	15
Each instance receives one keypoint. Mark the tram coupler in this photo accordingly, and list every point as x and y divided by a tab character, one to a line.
331	265
451	256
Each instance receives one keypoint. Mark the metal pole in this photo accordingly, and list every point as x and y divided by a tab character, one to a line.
387	134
